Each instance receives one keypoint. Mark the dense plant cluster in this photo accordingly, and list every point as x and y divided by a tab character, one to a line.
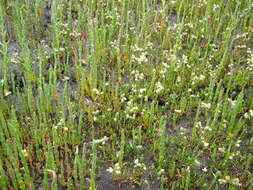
102	94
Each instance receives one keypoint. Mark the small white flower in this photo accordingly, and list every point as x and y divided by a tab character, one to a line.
208	128
215	6
117	172
173	2
66	78
142	58
231	156
251	113
96	91
103	140
136	162
178	111
161	172
246	115
139	147
110	170
236	181
159	87
232	102
229	180
123	99
205	105
198	124
143	90
206	144
24	152
204	169
117	166
7	93
222	181
221	149
202	77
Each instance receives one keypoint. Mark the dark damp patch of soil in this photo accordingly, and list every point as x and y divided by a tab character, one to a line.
105	182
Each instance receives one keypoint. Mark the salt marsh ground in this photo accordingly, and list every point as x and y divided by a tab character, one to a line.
126	94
